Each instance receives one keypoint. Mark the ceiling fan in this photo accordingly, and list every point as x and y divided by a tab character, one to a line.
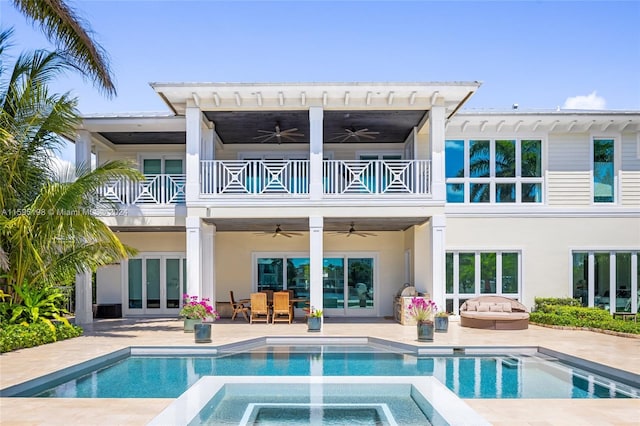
352	231
352	133
279	134
279	232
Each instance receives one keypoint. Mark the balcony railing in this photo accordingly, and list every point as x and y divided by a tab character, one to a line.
155	189
254	177
340	177
376	177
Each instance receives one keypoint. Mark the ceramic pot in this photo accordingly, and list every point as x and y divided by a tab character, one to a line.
314	323
189	323
202	333
425	331
442	324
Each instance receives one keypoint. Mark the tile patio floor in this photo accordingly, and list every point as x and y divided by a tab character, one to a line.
108	335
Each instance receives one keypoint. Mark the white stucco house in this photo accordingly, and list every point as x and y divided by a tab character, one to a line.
343	192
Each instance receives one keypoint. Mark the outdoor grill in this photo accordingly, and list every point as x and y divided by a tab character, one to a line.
401	301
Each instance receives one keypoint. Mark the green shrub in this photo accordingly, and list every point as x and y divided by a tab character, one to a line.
571	316
542	302
19	336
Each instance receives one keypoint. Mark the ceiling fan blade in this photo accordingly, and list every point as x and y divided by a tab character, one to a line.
366	136
266	131
295	129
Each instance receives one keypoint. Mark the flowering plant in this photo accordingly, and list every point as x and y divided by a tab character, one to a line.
315	313
193	308
421	309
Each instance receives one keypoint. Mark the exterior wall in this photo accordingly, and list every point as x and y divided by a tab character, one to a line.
109	285
630	170
569	170
545	244
234	269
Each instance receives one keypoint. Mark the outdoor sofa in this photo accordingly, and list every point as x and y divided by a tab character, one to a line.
494	313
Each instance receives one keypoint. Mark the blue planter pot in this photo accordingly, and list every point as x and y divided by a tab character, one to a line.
442	324
202	333
425	331
314	323
189	323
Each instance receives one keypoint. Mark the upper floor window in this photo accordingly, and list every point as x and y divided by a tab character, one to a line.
603	170
494	171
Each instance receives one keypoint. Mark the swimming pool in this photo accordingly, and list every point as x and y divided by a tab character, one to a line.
167	373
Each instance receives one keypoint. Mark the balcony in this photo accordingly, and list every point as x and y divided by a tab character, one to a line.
153	190
291	177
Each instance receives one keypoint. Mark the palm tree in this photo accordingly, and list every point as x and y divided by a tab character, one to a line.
47	228
72	36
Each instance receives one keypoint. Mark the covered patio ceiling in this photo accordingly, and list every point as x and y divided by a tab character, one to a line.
302	224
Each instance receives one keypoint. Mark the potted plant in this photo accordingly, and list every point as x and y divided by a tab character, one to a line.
194	311
442	322
423	312
314	320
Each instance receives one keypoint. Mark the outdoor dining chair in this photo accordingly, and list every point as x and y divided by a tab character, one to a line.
238	308
259	308
282	309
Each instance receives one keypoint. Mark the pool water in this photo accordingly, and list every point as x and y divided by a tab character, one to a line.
509	376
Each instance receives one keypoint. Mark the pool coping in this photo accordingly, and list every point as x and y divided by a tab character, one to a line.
428	391
27	388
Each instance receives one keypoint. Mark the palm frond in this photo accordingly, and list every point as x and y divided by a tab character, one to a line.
73	36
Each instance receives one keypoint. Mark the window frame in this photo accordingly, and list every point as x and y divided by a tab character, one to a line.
617	161
492	180
457	296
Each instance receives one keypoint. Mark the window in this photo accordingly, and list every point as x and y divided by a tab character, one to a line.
603	170
606	279
473	273
504	171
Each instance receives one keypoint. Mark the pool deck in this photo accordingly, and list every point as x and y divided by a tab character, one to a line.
106	336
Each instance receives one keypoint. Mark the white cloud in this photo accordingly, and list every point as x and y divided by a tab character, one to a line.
591	101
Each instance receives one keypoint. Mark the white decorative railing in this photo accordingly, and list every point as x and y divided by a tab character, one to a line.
254	177
377	177
155	189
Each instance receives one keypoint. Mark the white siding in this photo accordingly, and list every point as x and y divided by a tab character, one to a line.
568	188
630	153
568	177
630	188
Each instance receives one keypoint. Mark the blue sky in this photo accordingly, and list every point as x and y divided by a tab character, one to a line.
542	54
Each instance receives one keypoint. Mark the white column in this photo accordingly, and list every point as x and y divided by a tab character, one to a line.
316	224
438	259
194	137
84	306
194	271
83	149
208	237
315	152
208	151
436	141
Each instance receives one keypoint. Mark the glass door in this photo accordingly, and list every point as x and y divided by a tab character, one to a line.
349	291
154	284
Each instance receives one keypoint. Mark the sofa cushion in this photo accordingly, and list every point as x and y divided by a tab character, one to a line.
483	307
496	316
506	307
495	307
472	306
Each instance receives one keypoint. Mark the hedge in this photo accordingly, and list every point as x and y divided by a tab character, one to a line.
20	336
578	316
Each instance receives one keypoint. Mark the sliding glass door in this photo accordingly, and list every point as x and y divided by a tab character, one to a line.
347	281
154	284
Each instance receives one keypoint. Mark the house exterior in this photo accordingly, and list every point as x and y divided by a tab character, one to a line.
343	192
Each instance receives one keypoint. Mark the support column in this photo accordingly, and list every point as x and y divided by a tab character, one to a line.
208	238
316	253
438	259
436	141
316	154
194	256
194	137
83	149
84	305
